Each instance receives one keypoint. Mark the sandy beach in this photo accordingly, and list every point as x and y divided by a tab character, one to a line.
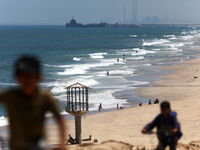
180	87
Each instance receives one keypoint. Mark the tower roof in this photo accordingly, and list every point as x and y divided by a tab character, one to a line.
77	85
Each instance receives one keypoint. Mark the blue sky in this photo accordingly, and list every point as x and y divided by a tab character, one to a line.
90	11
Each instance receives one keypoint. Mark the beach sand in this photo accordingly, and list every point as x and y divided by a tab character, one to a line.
181	87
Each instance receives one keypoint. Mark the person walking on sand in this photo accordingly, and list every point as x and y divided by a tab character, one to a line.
27	105
168	127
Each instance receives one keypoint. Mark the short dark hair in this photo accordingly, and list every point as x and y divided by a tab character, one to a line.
29	64
165	104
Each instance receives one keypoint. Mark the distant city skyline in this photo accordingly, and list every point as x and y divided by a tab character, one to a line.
51	12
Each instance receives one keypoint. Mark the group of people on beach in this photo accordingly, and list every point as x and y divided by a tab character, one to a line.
120	107
107	73
27	104
71	140
156	101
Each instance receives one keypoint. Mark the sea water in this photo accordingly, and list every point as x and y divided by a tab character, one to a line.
85	55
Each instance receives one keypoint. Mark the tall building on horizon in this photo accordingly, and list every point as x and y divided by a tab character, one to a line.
124	19
135	9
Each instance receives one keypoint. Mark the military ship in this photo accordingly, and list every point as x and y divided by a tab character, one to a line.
73	23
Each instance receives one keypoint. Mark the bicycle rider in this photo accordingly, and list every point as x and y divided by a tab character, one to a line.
168	127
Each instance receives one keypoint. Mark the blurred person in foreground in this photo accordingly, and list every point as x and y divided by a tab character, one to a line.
168	127
27	105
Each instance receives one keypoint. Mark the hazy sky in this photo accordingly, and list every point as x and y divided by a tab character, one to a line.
90	11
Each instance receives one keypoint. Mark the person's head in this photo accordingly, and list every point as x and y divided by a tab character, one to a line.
28	73
165	108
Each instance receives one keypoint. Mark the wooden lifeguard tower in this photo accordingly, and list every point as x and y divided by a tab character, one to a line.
77	105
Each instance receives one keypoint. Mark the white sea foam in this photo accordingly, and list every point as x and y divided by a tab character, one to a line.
3	121
77	69
134	53
174	46
106	98
56	66
156	49
136	58
115	73
10	84
135	83
154	42
82	69
138	49
97	55
142	52
133	35
76	59
120	72
60	85
169	36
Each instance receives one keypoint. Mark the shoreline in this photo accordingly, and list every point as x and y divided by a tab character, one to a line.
179	87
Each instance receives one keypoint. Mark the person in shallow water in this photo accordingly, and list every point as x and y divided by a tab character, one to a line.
107	73
168	127
27	106
100	107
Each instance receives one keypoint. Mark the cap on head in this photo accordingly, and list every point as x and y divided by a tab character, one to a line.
28	64
164	105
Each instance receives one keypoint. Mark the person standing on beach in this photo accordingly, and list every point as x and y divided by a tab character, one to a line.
27	105
168	127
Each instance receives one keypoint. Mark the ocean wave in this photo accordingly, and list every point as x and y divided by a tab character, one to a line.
106	98
136	83
97	55
3	121
60	85
121	72
10	84
169	36
133	35
56	66
115	73
82	69
74	70
136	58
135	51
154	42
76	59
142	52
